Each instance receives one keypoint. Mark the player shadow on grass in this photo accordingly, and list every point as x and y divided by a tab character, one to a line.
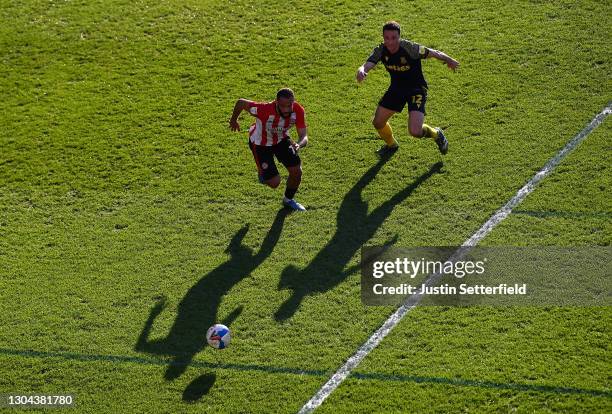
199	308
355	227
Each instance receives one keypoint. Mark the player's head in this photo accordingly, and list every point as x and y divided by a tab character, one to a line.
391	35
284	101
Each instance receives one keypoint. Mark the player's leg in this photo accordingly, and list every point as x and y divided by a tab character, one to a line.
291	160
293	181
390	104
266	167
416	125
273	182
381	124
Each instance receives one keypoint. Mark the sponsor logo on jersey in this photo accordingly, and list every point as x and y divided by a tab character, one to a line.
397	68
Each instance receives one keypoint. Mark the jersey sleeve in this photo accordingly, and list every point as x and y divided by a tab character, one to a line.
415	50
300	116
256	108
376	54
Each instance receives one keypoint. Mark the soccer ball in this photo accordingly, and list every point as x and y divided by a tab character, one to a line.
218	336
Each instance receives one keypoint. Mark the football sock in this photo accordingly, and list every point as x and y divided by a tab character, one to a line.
387	135
290	193
429	132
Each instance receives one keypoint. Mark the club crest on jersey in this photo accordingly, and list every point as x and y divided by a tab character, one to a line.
403	60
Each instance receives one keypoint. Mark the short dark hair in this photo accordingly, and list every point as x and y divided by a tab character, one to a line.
392	25
285	93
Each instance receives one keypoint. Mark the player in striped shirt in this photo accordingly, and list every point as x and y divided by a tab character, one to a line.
268	138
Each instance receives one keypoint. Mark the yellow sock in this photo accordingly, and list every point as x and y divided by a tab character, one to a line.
429	132
387	135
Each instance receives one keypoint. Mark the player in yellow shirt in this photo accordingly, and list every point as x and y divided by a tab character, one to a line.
402	59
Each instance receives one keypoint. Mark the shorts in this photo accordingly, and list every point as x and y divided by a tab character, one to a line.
397	97
264	158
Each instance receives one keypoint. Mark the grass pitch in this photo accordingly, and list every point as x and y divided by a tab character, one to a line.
130	217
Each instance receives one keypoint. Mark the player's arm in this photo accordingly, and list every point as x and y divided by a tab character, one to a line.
450	62
363	70
302	129
370	62
302	139
241	105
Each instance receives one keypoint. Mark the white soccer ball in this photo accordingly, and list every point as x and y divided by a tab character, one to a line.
218	336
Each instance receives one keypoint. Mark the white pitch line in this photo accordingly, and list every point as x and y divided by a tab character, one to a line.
412	301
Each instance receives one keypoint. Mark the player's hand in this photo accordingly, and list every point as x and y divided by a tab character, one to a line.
452	64
234	125
361	74
296	147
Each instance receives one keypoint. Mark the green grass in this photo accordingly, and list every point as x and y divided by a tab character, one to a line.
475	359
122	185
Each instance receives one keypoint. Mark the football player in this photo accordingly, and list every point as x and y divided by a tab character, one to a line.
402	59
268	139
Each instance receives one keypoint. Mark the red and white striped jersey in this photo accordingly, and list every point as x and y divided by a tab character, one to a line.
270	127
